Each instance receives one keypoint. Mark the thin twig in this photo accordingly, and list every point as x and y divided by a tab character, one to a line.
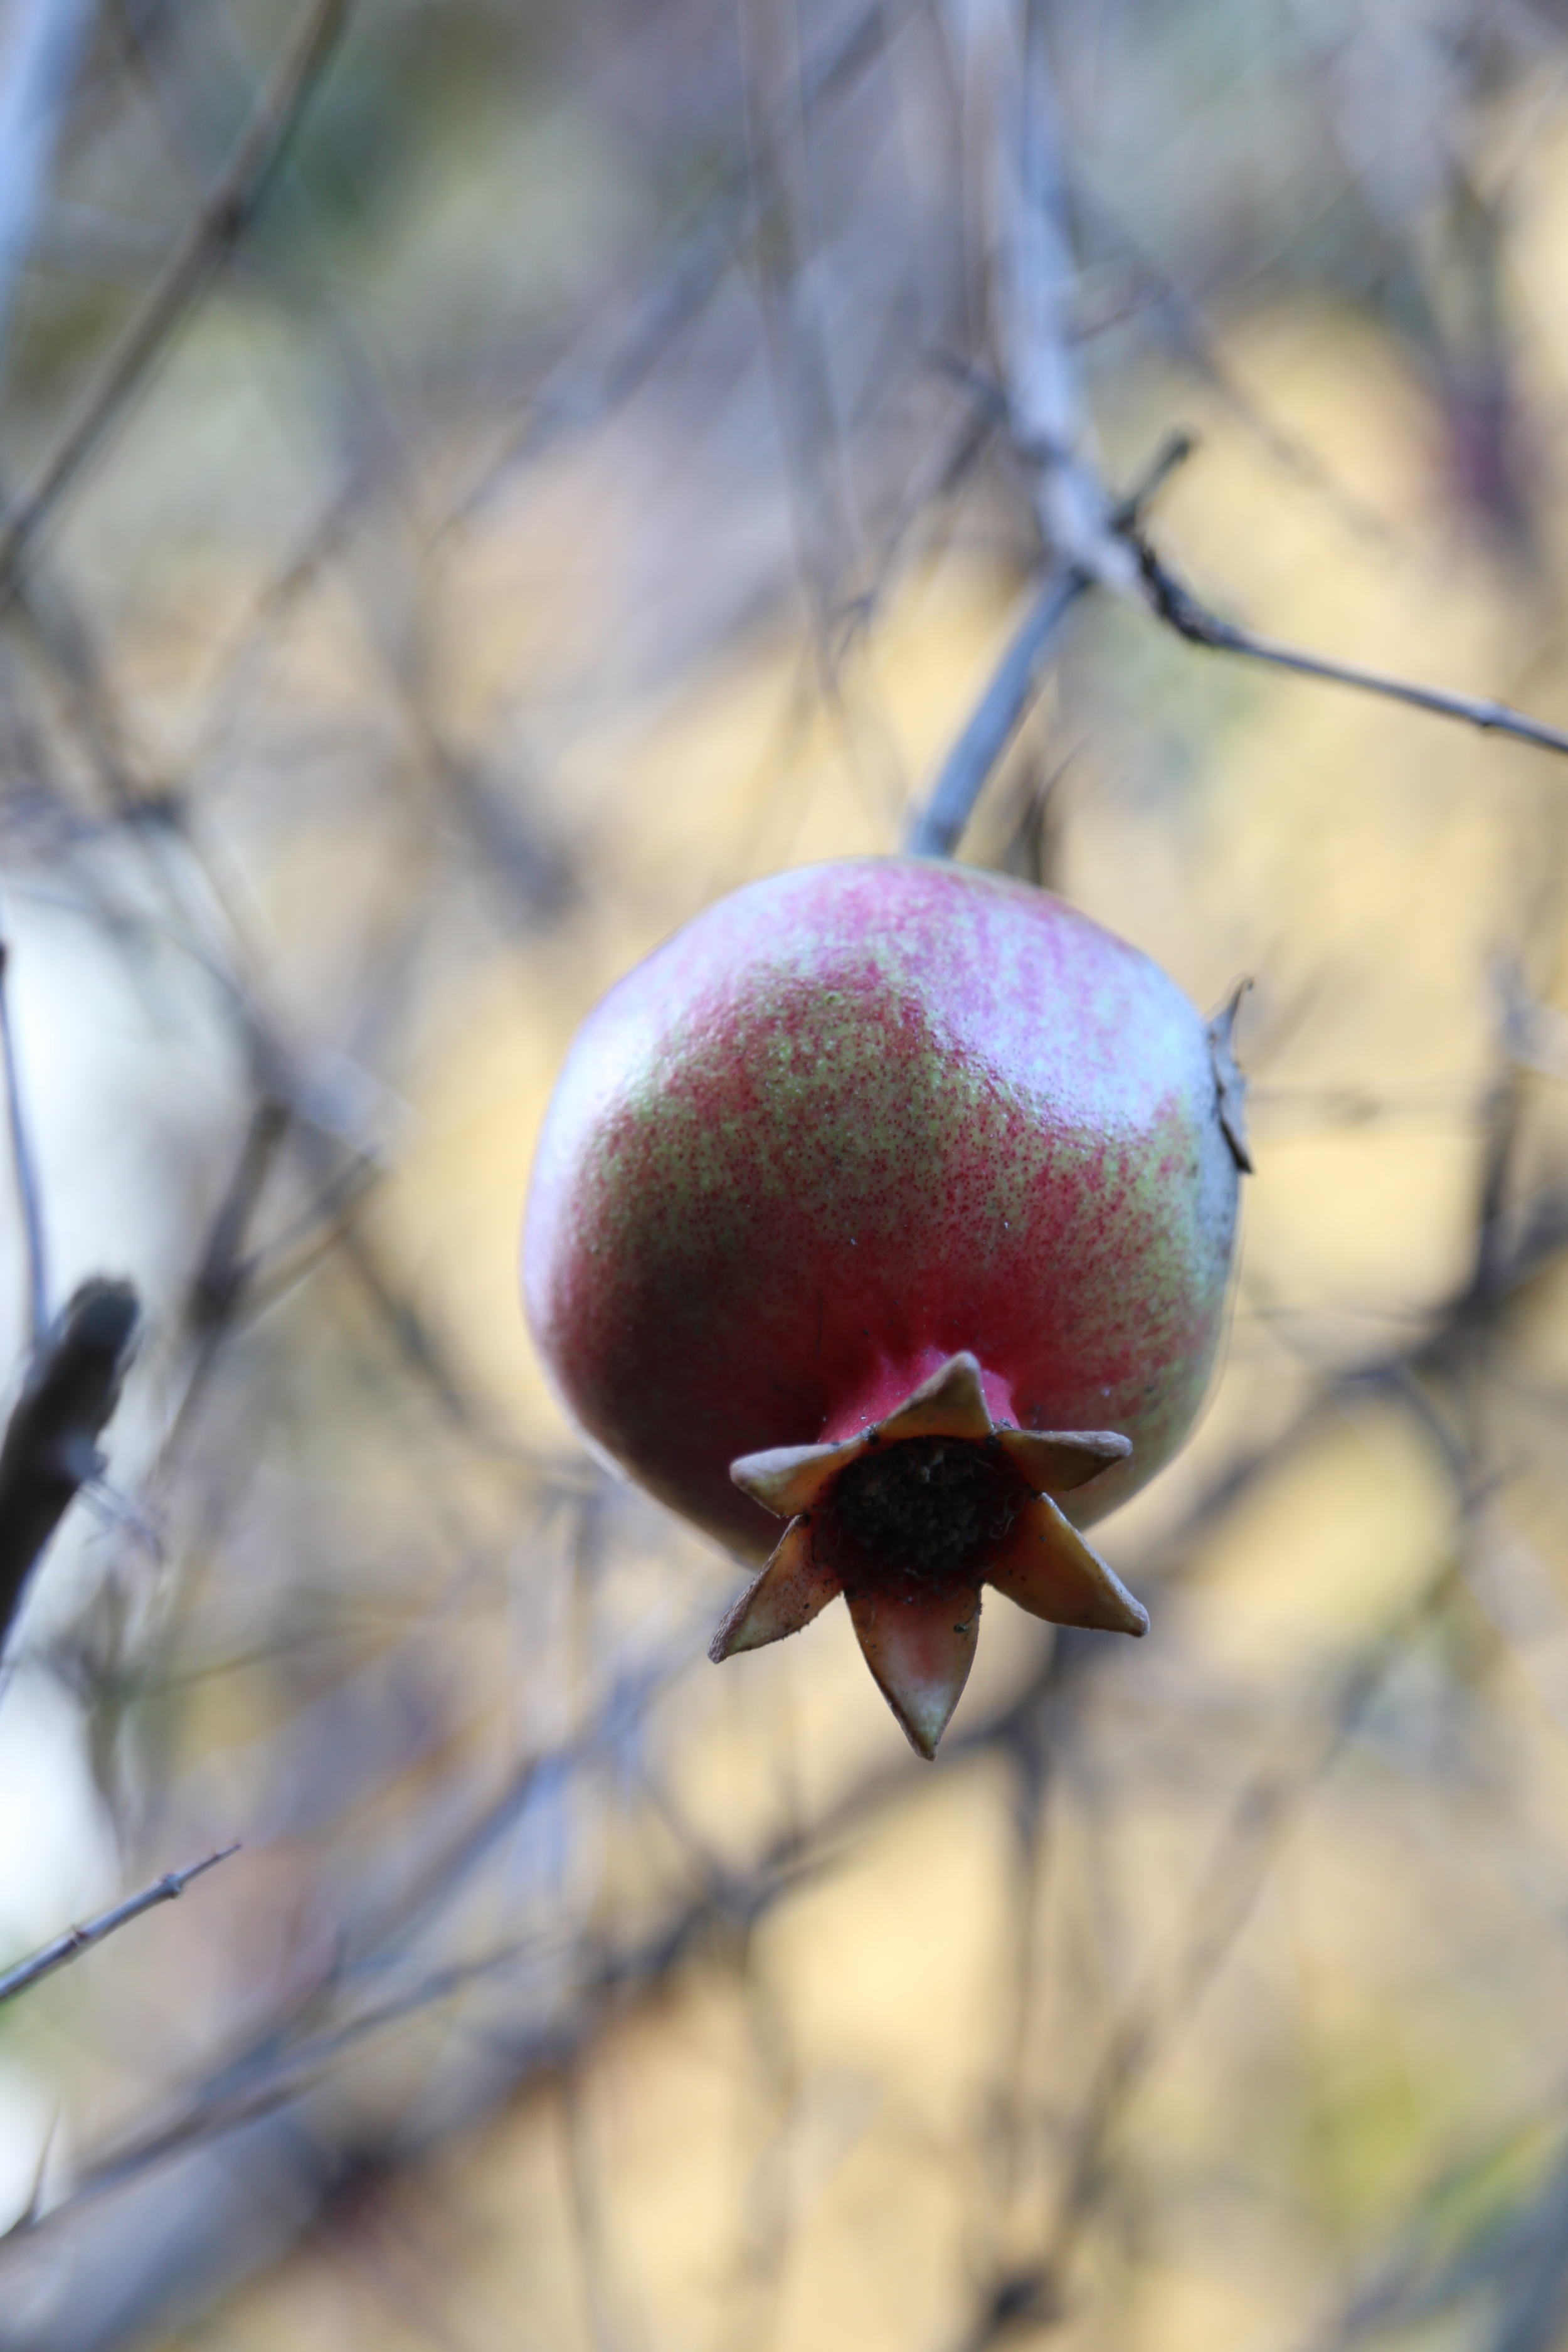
76	1940
217	228
1087	532
1193	338
601	370
938	823
1170	601
1095	540
1265	1812
219	1281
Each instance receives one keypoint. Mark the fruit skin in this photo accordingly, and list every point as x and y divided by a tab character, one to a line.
850	1121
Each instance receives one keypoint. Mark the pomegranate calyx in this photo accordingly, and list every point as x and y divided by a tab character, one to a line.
1047	1569
789	1478
920	1645
786	1594
952	1403
1059	1461
908	1519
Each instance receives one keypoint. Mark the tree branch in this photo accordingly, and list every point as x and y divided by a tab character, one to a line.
938	824
1093	540
1171	601
76	1940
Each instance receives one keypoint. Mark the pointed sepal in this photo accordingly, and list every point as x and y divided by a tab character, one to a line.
1059	1461
1047	1569
789	1478
951	1403
792	1588
785	1479
918	1643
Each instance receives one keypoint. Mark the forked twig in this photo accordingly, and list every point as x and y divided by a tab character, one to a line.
1091	539
939	821
995	720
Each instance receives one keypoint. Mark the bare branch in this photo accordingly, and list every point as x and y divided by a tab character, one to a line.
938	823
1266	1810
1034	274
217	228
1095	540
77	1940
1173	602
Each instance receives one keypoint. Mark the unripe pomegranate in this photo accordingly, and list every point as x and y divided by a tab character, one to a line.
894	1201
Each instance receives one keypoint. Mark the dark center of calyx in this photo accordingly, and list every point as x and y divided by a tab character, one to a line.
932	1508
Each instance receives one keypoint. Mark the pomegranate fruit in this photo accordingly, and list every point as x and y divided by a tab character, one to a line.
894	1201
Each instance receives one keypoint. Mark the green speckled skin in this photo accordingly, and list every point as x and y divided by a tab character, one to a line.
853	1119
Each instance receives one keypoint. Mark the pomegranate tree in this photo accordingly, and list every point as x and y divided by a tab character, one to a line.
894	1201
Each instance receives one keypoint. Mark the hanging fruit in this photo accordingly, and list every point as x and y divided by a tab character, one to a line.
895	1201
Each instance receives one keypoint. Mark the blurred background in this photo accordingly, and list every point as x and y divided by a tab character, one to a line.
479	482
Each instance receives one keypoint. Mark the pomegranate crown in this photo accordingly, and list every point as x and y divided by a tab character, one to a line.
909	1520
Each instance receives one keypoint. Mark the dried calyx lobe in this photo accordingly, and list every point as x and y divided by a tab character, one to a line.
932	1508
